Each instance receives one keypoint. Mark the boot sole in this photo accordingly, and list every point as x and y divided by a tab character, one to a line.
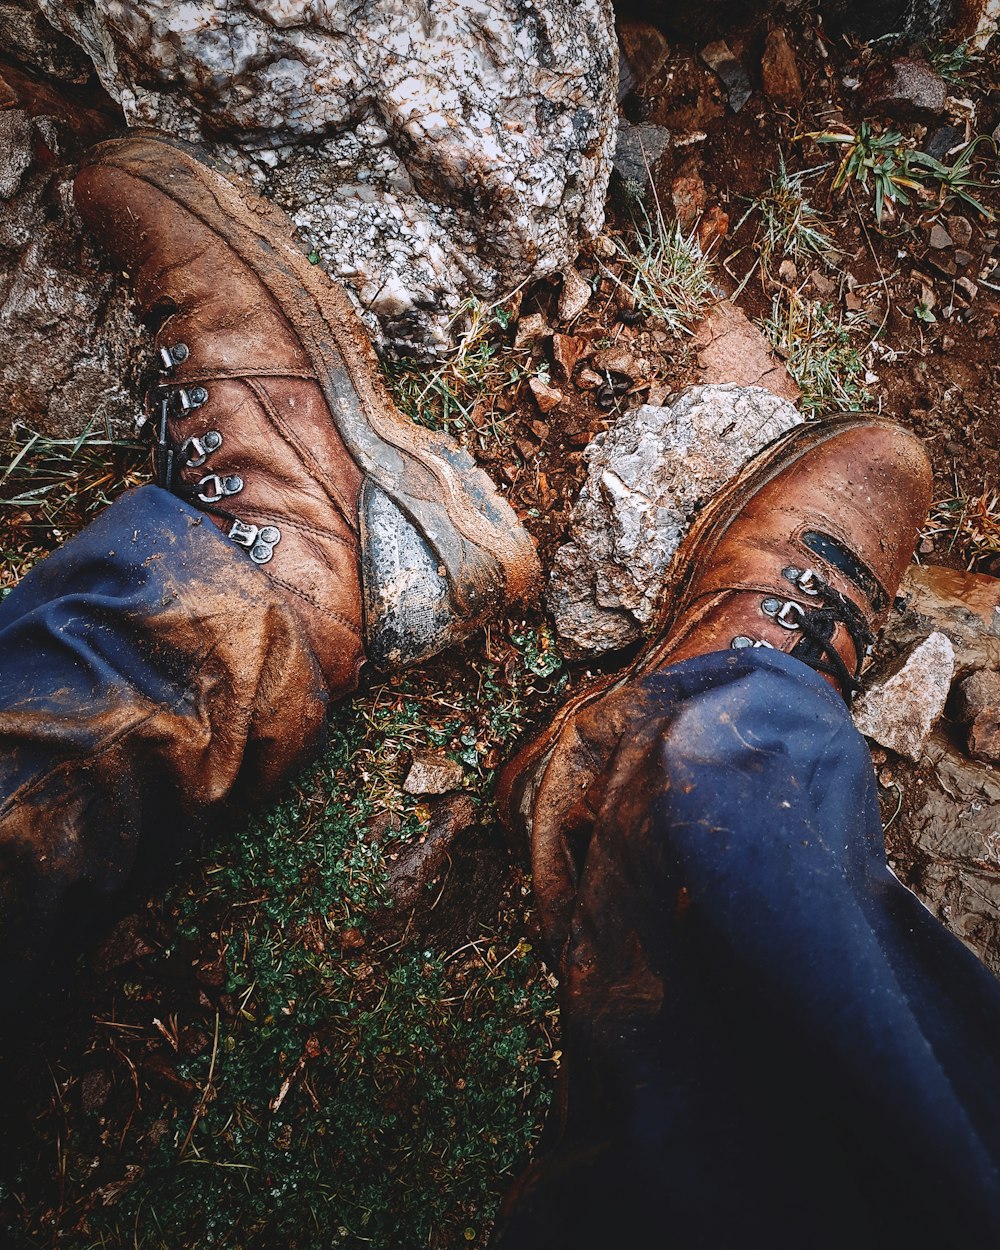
696	547
489	558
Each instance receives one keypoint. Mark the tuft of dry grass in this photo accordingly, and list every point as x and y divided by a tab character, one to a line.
972	526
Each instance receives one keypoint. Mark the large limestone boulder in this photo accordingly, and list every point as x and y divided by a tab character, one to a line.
427	153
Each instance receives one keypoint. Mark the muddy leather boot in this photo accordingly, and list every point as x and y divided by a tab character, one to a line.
171	665
767	1040
383	537
802	552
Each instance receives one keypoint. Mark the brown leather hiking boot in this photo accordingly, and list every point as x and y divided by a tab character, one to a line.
802	551
271	417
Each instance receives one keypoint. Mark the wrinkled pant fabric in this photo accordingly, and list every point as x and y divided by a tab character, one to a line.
768	1040
150	684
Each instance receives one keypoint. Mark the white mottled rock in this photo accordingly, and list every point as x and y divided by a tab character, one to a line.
427	153
900	711
647	476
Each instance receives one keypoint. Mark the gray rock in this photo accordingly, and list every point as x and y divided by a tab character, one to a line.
646	477
27	37
907	88
427	154
432	772
732	73
900	710
70	350
638	150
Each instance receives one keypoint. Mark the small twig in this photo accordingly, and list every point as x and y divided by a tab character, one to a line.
199	1111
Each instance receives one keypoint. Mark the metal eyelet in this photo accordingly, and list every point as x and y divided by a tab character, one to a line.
202	447
805	580
791	615
170	356
260	541
221	486
741	642
787	613
192	397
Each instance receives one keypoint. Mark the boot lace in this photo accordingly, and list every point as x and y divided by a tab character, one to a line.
817	620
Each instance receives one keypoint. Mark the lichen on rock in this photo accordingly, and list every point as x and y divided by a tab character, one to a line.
426	154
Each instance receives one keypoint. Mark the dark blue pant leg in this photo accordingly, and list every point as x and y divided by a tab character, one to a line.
149	682
769	1041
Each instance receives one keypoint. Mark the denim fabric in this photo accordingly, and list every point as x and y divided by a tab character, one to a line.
769	1041
150	682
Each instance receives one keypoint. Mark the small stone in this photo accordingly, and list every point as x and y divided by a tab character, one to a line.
779	70
942	264
944	140
687	191
123	945
947	343
732	349
588	380
531	330
824	287
714	225
978	707
963	259
432	772
939	237
574	296
566	351
719	57
960	229
968	288
546	397
619	360
94	1090
900	710
788	272
638	151
645	49
908	88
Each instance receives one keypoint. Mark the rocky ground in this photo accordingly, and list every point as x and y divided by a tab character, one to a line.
336	1028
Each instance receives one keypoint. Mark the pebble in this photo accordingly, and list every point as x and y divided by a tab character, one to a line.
899	711
574	296
432	772
779	70
939	237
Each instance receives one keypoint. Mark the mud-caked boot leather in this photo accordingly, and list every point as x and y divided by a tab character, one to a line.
802	551
383	537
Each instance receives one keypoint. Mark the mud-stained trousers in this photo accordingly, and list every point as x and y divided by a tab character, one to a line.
768	1041
150	683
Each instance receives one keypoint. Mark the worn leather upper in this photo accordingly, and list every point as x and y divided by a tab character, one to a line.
862	483
263	398
863	488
